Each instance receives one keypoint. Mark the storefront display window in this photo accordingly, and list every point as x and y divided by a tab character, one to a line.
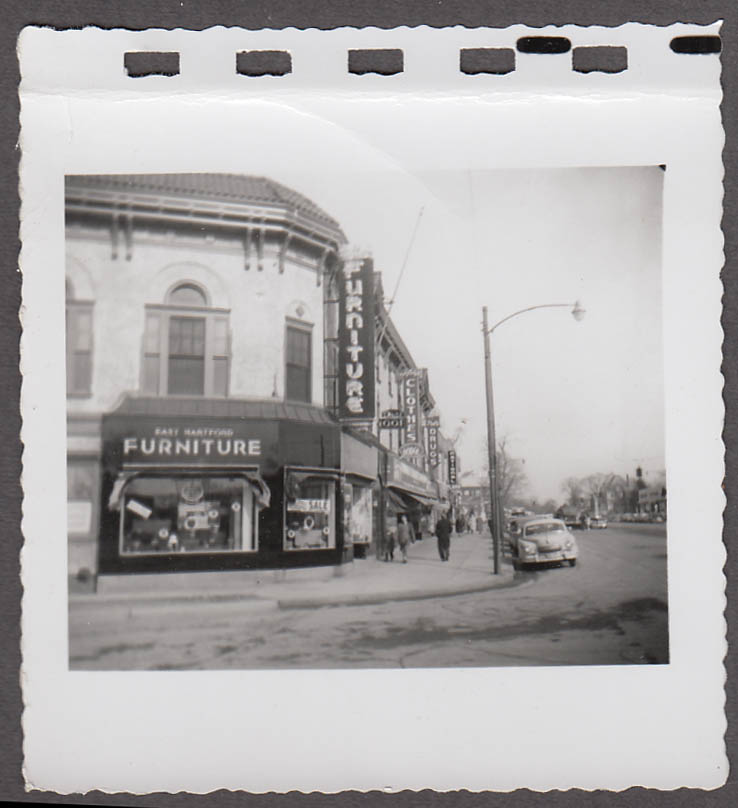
188	514
360	518
310	512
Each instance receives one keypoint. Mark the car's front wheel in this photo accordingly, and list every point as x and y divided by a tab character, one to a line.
572	562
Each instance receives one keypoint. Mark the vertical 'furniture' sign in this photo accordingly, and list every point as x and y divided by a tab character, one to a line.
356	340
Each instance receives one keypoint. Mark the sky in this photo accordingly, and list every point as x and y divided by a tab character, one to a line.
571	399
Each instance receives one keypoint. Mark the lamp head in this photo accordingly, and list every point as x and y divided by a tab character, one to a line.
578	312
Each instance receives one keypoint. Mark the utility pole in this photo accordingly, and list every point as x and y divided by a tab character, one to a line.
577	312
495	520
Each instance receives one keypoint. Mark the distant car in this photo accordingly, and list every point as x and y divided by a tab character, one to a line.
542	541
597	522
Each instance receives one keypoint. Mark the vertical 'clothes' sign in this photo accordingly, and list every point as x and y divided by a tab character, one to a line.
411	405
452	480
433	424
356	340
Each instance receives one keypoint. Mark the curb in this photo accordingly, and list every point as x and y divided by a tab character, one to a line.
153	598
274	601
391	595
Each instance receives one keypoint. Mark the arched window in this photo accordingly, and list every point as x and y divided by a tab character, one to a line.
187	294
186	345
79	343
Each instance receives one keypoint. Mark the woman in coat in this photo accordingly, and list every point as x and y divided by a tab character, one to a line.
403	537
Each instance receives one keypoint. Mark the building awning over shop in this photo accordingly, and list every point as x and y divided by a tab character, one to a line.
226	408
409	499
394	501
358	458
261	490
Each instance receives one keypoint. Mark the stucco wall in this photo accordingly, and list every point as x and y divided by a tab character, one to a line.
259	302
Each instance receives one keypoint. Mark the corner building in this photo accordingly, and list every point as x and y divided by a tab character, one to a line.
198	433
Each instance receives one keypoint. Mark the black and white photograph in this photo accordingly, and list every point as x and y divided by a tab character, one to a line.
369	410
282	396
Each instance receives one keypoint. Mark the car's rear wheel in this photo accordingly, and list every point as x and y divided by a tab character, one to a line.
572	562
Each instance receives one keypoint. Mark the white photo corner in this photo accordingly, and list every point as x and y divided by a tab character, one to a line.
372	409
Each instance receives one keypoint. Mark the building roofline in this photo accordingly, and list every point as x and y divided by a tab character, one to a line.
222	200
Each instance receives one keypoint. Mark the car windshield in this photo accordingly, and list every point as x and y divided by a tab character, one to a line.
544	527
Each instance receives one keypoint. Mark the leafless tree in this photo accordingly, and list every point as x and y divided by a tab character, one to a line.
597	486
574	490
511	477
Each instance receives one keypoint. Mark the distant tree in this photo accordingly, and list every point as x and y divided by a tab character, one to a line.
572	487
597	487
511	477
622	492
549	506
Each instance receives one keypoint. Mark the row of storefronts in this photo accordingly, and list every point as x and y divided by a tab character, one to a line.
238	396
193	484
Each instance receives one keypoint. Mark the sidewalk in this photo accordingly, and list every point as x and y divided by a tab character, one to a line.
364	581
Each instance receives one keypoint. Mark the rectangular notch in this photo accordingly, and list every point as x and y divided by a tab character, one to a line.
384	61
497	61
151	63
263	63
600	59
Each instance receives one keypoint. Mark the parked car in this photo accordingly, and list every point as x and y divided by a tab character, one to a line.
542	541
597	522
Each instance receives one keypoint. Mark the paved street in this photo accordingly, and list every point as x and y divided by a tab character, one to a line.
610	609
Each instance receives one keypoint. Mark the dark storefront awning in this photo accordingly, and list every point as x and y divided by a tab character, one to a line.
260	488
225	408
407	499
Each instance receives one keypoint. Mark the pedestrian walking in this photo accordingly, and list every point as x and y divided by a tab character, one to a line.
403	537
459	524
443	534
388	545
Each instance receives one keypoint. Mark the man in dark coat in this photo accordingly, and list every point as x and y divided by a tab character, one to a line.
443	533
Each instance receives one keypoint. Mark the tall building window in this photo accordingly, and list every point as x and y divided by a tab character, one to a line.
330	340
79	345
186	346
298	362
186	356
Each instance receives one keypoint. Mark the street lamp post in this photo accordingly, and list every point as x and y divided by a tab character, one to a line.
577	313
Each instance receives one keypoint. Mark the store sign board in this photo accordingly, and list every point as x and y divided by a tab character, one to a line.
411	406
391	419
311	505
405	475
356	341
452	478
187	442
411	450
433	424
